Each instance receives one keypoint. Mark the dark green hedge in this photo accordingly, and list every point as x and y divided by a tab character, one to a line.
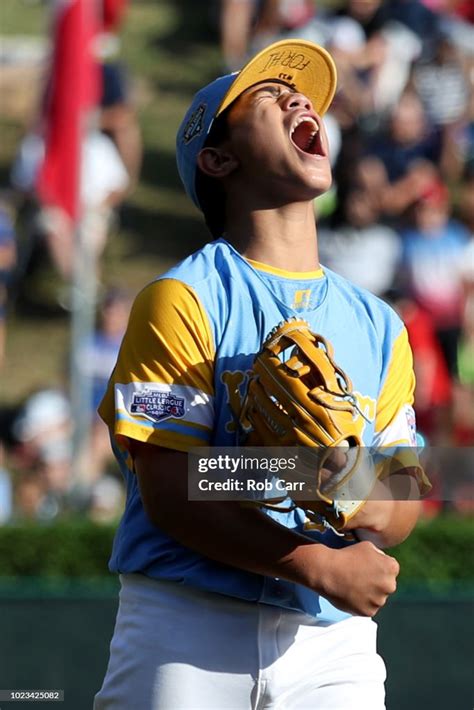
439	551
67	548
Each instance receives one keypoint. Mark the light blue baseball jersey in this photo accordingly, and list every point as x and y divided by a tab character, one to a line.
182	373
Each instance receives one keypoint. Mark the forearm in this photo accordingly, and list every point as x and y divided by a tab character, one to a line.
390	516
398	522
245	538
225	531
357	579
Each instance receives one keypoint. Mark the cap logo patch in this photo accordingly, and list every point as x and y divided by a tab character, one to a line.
195	125
286	58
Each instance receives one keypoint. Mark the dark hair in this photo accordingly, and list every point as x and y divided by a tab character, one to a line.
210	191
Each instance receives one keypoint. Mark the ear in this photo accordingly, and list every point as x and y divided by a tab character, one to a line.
217	162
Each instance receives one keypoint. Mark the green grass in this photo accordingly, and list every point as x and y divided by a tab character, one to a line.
170	49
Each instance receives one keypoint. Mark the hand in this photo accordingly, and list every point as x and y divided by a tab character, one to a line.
335	462
370	522
358	579
375	515
392	510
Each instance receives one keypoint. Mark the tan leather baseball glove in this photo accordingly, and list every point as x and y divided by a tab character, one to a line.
299	397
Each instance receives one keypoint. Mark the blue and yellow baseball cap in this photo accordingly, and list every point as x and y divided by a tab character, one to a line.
303	65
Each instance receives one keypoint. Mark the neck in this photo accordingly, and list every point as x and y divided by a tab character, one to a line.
284	237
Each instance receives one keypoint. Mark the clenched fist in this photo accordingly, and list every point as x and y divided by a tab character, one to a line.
357	579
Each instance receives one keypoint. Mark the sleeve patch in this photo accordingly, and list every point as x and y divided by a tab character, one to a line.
157	402
401	430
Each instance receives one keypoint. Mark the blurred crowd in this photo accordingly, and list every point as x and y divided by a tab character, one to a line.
399	220
43	472
38	436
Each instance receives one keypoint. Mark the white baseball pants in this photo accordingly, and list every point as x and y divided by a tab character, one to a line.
176	648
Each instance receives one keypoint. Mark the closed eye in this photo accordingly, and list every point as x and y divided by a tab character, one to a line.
273	90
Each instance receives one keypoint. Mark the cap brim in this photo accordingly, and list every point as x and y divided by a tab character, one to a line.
305	66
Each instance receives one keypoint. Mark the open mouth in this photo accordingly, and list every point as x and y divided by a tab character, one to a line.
306	136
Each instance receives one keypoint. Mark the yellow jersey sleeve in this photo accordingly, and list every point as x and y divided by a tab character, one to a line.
395	401
395	423
162	388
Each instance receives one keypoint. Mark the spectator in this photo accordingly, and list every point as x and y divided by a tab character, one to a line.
31	501
360	248
104	183
374	53
107	500
111	160
443	87
236	28
246	26
421	19
118	119
457	19
433	392
98	358
279	19
42	456
403	159
43	430
433	247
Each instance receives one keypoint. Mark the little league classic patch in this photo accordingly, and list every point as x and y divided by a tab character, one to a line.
157	406
411	421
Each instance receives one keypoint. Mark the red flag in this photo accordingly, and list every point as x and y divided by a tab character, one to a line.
73	89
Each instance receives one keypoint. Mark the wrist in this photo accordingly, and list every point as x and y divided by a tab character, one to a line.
315	563
374	515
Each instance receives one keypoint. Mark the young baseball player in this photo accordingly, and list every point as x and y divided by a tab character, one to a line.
222	605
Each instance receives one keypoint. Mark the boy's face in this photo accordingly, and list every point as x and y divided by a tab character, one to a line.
280	143
430	217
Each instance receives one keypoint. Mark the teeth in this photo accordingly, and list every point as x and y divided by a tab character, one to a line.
307	119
